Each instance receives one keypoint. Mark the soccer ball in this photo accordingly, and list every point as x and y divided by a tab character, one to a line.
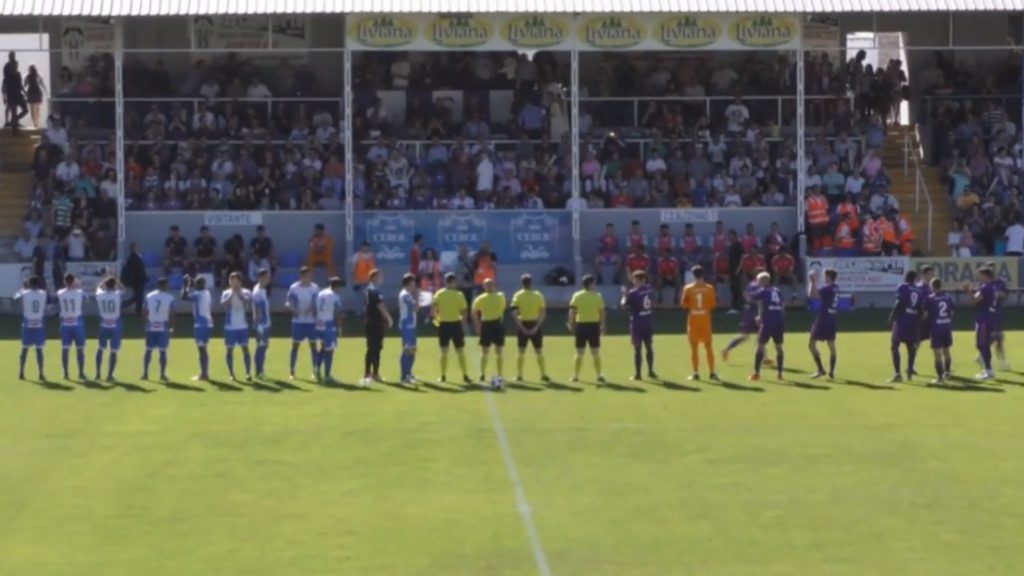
497	383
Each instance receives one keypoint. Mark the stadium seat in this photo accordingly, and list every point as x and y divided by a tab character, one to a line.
285	278
175	281
291	259
151	258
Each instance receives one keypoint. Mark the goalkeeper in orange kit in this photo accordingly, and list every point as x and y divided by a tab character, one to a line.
699	301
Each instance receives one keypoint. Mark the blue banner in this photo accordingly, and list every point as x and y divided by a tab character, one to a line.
517	237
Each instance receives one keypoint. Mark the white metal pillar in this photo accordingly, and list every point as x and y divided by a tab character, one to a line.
801	141
349	153
575	122
119	129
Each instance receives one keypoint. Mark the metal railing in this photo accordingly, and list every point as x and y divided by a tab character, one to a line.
912	155
710	104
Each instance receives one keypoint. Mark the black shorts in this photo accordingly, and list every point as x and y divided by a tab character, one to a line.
492	333
451	333
588	334
537	338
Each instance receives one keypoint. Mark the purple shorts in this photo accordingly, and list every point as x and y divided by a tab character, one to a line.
641	334
824	329
905	333
926	330
941	339
769	332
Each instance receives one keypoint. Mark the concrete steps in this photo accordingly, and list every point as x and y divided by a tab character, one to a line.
904	188
16	154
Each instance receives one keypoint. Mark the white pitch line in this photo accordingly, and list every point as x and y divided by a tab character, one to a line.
522	504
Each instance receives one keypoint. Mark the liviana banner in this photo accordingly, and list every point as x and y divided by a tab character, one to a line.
602	32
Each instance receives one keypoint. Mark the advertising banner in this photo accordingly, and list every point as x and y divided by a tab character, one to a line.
233	218
689	215
883	274
517	237
228	33
955	272
598	32
81	38
88	273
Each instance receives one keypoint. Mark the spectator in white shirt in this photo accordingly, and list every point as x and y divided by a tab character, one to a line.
203	119
57	134
732	199
655	164
400	71
257	90
1015	239
462	201
736	116
67	171
210	89
723	78
854	184
78	246
222	167
25	245
484	173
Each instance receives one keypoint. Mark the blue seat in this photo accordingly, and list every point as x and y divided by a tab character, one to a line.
175	281
285	278
151	258
291	259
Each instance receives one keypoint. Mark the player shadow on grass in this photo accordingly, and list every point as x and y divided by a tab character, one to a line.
804	385
675	386
54	386
866	385
522	387
339	385
222	386
560	387
109	386
615	387
286	386
961	384
404	387
735	387
260	387
180	387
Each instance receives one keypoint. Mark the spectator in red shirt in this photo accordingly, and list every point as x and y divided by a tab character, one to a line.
752	263
415	253
668	274
636	237
664	242
750	239
608	254
638	260
783	265
690	244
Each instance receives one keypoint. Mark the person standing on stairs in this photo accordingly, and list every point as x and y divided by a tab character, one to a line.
15	105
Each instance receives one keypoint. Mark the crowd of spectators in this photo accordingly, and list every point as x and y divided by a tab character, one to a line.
976	140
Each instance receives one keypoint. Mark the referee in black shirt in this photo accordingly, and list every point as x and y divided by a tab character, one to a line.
378	320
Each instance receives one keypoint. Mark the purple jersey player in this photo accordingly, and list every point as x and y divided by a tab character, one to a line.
924	284
748	323
905	320
985	301
770	319
997	319
825	325
638	300
938	312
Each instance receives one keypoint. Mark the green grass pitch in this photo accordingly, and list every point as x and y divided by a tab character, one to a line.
853	477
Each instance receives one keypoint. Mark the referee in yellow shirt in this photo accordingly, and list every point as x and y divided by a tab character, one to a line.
528	312
449	313
587	322
489	321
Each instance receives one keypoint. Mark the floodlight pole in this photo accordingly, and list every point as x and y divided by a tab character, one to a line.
575	135
119	130
349	151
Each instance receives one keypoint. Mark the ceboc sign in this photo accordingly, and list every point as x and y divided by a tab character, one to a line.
688	31
616	32
535	31
764	31
383	32
460	31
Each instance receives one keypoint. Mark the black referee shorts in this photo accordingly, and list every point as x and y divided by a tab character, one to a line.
374	335
537	338
492	333
588	334
451	333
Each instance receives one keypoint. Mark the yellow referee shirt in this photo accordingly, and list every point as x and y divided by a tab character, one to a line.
528	303
449	305
588	305
490	305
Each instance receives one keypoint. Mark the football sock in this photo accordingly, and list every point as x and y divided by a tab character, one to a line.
780	362
39	359
499	359
22	359
817	360
832	357
64	353
911	357
577	364
709	355
637	359
483	361
327	361
896	358
597	361
145	360
444	362
758	359
163	362
113	364
541	365
650	358
231	361
204	361
694	359
261	356
99	361
80	358
461	355
520	361
938	366
294	359
986	357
